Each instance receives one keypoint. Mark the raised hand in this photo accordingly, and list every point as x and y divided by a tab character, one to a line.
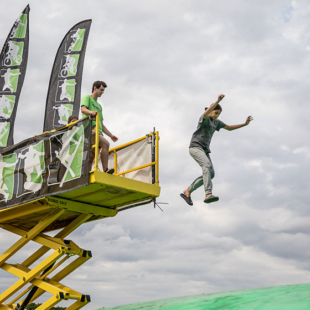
220	97
248	120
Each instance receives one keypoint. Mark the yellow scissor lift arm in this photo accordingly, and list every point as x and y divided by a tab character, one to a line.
104	196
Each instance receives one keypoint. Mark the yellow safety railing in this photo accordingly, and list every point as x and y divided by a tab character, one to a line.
96	145
120	147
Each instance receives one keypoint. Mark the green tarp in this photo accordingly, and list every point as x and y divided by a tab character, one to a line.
293	297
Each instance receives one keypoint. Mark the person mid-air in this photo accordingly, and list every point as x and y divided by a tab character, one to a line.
199	149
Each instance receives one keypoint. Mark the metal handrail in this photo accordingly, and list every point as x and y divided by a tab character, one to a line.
137	168
117	148
97	143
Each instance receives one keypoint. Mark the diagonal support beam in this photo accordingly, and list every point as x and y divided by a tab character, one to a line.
35	272
50	242
35	276
50	303
62	234
30	235
64	273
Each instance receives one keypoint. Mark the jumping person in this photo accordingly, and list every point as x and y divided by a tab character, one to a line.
90	106
199	149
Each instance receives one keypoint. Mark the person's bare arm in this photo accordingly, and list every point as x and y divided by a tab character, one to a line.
108	133
85	111
234	127
213	105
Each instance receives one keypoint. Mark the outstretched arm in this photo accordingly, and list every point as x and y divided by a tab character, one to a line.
213	105
108	133
234	127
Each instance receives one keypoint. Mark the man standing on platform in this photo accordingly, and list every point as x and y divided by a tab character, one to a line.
90	106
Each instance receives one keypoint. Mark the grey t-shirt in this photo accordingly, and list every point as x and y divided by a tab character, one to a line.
204	132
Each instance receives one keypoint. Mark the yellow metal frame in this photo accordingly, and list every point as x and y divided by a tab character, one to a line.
52	210
62	251
120	147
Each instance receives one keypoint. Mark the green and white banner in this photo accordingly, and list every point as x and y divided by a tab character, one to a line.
45	165
13	64
64	93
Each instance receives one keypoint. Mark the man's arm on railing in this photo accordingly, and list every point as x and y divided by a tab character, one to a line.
87	112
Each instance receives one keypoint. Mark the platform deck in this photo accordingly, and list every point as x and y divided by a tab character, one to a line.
104	196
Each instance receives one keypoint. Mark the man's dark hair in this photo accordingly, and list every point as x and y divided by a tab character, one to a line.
97	84
71	118
217	107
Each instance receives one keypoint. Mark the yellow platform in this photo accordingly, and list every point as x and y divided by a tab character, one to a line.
104	196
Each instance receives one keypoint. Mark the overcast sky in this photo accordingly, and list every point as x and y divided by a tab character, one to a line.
164	61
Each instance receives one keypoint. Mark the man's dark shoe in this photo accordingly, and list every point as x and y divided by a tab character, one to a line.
110	171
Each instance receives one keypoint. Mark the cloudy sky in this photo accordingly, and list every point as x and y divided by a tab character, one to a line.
164	61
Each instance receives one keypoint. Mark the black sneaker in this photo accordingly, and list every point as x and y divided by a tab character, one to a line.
110	171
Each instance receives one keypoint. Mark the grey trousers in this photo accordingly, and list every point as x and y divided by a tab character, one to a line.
204	161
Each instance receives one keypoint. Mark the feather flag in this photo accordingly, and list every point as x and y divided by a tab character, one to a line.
64	92
13	64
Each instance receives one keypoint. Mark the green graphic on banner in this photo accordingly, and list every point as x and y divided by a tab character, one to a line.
67	90
14	57
10	80
21	27
77	41
33	166
70	65
7	168
71	153
6	106
36	174
64	112
4	133
14	54
45	165
67	109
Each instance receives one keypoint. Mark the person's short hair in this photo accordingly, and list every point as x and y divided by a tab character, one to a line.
72	117
97	84
217	107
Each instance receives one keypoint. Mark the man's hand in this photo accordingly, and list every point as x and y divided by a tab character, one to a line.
93	115
114	138
88	112
220	97
248	120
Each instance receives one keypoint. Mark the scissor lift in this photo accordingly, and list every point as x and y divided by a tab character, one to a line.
105	196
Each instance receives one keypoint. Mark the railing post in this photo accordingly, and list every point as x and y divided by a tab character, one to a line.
115	162
153	154
97	142
157	158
